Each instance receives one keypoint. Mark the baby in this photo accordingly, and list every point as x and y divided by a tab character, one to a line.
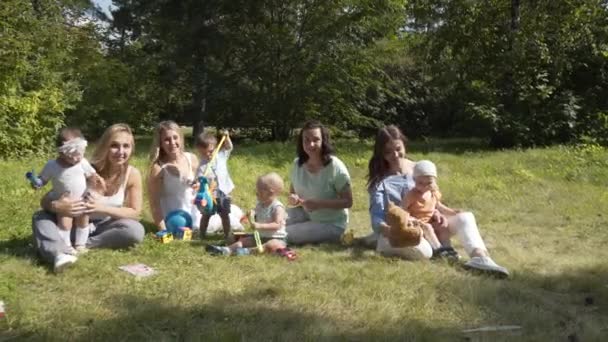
270	217
70	173
422	201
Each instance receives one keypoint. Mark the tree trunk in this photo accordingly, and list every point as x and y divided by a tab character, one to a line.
198	113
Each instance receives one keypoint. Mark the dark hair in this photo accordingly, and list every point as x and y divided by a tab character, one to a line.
67	133
327	150
205	139
378	166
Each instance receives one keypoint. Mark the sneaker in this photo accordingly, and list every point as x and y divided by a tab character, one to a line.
63	261
242	251
217	250
369	241
446	253
486	264
71	251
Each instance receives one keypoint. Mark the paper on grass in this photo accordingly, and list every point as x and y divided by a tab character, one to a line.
138	270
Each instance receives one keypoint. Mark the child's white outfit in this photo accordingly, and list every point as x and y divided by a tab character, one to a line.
219	171
265	215
72	179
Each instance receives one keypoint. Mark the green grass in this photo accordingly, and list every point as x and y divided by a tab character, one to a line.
542	213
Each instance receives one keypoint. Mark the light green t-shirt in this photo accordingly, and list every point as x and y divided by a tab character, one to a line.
325	184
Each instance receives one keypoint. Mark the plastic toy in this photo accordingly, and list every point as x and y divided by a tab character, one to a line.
34	180
164	236
288	253
256	235
178	224
204	199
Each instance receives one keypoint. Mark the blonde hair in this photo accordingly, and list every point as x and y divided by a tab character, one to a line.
272	181
156	153
100	156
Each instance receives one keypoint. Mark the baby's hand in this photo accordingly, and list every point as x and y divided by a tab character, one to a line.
97	183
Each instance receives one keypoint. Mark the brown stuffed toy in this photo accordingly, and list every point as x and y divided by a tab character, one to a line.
403	232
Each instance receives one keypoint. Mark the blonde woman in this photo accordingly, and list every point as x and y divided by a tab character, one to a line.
114	213
172	173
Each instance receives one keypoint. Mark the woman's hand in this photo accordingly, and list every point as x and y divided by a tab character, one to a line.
310	204
294	200
92	203
66	206
439	219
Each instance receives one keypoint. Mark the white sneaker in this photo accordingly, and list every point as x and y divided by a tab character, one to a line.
486	264
63	261
71	251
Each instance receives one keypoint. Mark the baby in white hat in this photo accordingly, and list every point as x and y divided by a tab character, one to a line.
422	201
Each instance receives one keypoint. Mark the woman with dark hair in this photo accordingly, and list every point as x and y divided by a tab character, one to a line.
320	190
389	179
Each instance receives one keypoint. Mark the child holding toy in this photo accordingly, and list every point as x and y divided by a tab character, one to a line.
270	217
71	173
422	201
216	172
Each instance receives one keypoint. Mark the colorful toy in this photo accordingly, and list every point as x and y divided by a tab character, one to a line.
34	180
164	236
204	199
178	224
256	235
288	253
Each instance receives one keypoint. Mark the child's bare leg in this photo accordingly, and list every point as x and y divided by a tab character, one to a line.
443	235
82	231
244	242
65	226
225	216
203	225
429	235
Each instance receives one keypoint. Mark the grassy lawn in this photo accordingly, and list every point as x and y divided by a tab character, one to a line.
542	212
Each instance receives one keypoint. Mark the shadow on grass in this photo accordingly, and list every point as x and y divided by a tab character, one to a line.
256	315
18	246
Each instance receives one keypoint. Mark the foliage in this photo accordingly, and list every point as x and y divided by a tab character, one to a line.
35	88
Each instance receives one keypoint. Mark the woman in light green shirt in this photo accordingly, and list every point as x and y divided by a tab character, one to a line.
320	190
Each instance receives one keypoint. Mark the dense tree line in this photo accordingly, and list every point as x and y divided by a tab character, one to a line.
520	73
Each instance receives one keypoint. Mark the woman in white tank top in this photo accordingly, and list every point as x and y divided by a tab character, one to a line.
114	214
171	175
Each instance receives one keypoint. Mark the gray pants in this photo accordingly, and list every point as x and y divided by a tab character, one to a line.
301	230
109	233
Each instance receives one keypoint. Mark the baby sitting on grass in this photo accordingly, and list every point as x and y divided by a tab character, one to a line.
270	217
422	201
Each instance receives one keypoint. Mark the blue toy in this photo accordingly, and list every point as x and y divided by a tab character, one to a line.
204	199
35	181
179	224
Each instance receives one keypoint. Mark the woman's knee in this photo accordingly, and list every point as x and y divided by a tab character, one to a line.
134	231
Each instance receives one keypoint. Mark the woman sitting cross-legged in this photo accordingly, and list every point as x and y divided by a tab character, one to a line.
114	213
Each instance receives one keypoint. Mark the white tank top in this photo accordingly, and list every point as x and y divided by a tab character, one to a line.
177	193
117	200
